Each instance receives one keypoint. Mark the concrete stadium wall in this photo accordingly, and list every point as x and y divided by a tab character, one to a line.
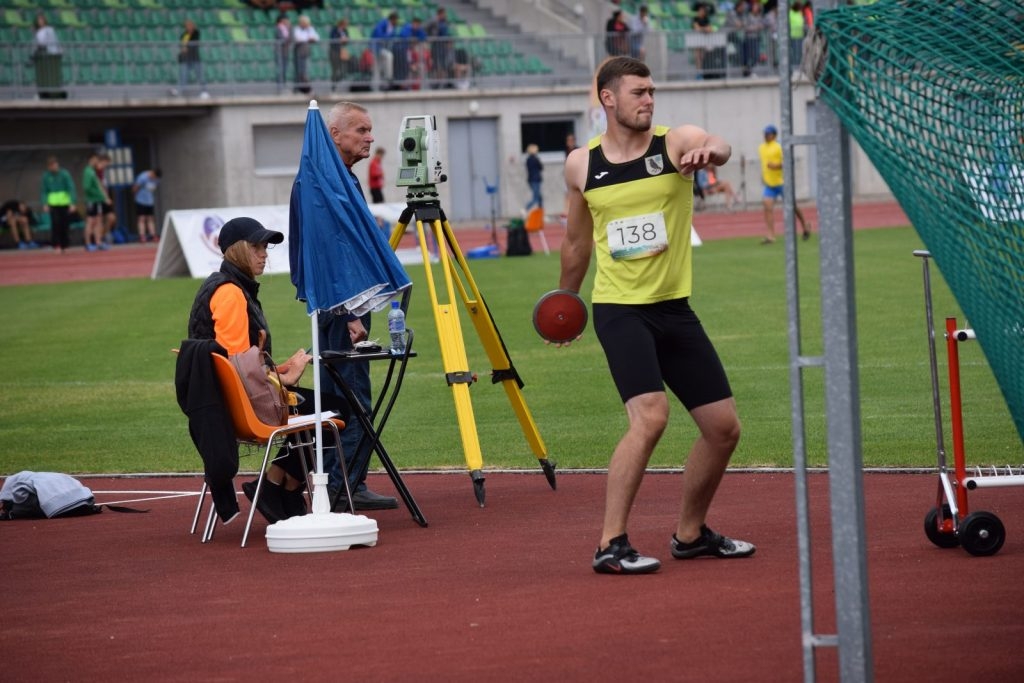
208	149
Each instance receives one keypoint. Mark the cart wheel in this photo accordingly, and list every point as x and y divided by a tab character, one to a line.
932	527
981	534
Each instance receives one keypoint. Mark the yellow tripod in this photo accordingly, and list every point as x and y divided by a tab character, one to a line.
453	347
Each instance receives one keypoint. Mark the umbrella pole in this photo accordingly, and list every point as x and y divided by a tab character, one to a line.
321	502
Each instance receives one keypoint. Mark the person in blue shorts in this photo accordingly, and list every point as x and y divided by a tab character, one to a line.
770	153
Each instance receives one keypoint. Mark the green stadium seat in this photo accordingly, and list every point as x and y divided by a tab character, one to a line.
12	17
226	17
154	18
78	35
535	65
238	34
477	30
116	4
684	9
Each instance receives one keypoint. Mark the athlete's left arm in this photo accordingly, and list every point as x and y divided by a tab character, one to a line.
693	148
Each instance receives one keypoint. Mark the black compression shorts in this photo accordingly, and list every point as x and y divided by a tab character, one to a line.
651	346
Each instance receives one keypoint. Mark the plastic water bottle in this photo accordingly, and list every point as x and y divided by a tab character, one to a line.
396	328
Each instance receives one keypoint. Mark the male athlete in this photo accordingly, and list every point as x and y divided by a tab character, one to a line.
631	199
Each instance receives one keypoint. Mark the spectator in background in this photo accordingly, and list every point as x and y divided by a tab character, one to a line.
797	31
16	215
190	64
439	32
282	47
701	24
144	191
376	176
341	57
420	64
46	57
44	41
57	195
747	26
382	42
534	177
95	197
616	35
639	25
304	36
462	68
409	35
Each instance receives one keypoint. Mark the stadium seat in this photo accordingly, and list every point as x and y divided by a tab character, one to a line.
12	17
226	17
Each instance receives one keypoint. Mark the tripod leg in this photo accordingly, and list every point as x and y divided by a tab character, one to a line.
501	364
453	356
396	235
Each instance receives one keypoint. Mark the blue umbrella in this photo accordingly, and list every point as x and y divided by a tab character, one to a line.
339	258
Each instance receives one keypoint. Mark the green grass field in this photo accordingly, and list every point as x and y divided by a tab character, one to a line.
88	370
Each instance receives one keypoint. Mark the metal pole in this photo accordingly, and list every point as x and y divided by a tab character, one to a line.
842	400
841	382
796	367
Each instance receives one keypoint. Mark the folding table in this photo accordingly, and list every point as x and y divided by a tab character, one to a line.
373	423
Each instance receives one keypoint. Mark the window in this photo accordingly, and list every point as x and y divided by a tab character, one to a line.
548	133
277	148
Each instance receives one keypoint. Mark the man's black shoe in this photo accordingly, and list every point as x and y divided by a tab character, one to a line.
366	500
271	502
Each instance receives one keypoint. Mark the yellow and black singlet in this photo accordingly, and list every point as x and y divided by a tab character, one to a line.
642	211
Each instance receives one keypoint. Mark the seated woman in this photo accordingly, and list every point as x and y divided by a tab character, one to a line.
227	310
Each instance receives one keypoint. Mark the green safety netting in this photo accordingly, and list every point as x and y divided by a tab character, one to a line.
933	91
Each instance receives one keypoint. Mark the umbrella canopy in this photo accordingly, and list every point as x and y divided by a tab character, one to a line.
340	258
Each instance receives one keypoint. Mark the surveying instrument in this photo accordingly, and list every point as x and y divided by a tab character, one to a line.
420	171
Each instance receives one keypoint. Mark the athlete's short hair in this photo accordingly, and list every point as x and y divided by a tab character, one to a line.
615	68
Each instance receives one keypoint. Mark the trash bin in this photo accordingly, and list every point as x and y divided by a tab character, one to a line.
49	79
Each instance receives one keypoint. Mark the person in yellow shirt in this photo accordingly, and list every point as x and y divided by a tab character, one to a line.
770	153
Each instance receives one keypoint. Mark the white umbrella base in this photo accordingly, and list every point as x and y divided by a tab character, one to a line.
320	533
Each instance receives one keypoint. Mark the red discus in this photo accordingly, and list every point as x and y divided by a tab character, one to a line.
560	316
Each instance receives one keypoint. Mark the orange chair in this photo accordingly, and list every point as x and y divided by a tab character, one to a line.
535	223
249	429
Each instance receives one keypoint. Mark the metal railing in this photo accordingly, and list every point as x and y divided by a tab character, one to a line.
150	69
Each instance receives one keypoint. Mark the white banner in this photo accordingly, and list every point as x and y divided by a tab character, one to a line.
188	242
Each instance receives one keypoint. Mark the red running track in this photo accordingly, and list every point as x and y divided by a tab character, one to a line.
503	593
